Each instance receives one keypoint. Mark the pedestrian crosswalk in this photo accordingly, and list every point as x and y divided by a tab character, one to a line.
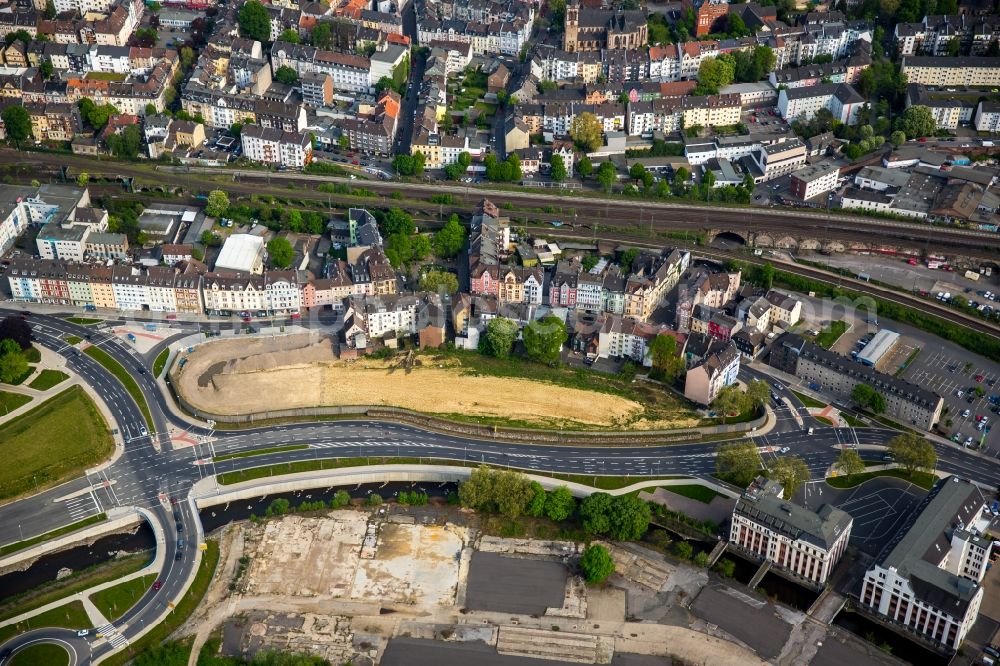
115	640
354	445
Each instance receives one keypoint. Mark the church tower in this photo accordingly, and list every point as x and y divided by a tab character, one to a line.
571	26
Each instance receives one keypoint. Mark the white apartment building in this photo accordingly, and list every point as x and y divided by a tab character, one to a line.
779	159
274	146
988	117
805	543
842	100
960	71
703	381
930	581
815	179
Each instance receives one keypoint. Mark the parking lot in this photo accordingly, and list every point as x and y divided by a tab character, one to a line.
949	373
879	507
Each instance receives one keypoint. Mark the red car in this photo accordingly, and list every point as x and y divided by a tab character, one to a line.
979	378
296	315
157	585
354	162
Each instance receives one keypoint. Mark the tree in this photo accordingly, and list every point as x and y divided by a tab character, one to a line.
585	167
898	138
738	463
557	168
46	68
499	339
544	338
681	176
50	10
791	472
403	164
586	131
628	258
559	504
321	38
629	517
954	47
596	564
439	281
477	491
281	252
607	174
683	550
913	452
17	122
728	401
512	493
636	171
13	365
737	28
714	73
868	398
917	121
209	239
667	364
22	36
849	463
217	203
595	510
757	393
127	143
536	505
82	179
398	221
16	329
286	75
418	163
450	238
289	35
254	21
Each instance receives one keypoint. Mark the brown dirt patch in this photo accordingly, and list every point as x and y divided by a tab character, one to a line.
302	371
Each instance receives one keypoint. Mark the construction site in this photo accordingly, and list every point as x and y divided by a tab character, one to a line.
260	374
424	587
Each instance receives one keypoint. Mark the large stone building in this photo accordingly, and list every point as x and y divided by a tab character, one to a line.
905	402
597	29
805	543
928	580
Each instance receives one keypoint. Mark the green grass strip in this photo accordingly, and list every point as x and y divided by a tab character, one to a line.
115	368
68	616
280	469
694	491
66	529
49	654
161	362
78	581
923	479
180	613
114	601
11	401
260	452
807	401
46	379
83	321
73	339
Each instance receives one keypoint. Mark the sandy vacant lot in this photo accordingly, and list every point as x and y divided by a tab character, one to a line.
415	565
240	376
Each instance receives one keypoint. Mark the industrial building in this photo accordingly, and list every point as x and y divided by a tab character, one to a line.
880	345
243	253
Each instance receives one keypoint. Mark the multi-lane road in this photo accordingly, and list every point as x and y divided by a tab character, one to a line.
156	476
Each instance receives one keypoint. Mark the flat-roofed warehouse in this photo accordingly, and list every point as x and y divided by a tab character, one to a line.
880	345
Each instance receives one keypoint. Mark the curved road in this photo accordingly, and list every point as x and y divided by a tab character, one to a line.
153	475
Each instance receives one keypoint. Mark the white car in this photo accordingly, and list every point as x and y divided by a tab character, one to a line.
966	413
83	632
784	449
143	432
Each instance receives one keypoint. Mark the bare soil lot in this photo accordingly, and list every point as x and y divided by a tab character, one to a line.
241	376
